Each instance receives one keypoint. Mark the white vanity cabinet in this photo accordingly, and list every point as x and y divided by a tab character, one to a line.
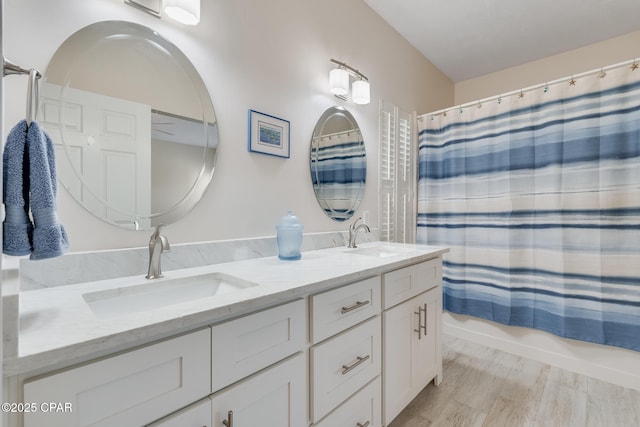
352	350
130	389
411	335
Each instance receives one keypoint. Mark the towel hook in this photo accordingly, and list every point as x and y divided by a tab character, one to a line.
32	97
9	68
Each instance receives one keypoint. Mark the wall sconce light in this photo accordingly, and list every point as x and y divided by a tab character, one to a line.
184	11
339	83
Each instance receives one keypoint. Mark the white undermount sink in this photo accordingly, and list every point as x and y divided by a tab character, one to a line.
378	251
157	293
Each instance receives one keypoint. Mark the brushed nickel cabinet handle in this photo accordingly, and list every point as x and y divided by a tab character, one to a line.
363	425
355	306
348	368
229	421
425	319
421	327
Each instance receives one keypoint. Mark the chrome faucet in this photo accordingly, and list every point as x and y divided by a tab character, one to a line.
157	244
353	232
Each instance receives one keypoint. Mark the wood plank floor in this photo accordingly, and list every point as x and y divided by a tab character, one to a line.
490	388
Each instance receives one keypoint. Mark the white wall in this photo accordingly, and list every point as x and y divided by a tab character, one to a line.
587	58
608	363
271	56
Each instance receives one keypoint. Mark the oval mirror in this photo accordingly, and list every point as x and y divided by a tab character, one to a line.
134	127
338	163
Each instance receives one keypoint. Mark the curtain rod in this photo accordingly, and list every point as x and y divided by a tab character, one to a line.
601	70
331	135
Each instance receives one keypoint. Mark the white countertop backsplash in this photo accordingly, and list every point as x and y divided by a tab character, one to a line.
57	328
90	266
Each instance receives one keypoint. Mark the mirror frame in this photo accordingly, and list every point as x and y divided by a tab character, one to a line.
352	152
98	34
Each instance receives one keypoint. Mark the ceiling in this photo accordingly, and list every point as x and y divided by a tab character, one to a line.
470	38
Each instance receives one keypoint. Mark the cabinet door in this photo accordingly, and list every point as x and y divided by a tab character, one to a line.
273	397
411	350
130	389
426	359
196	415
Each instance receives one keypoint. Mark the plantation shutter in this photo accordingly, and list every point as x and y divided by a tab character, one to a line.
397	179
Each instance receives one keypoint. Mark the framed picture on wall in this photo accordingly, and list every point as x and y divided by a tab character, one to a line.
268	134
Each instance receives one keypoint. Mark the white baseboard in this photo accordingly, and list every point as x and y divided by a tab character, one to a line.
612	364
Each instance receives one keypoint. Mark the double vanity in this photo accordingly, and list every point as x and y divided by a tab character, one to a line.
342	337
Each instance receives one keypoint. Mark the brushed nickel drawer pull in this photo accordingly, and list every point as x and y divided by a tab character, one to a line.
363	425
346	369
425	319
229	421
421	327
355	306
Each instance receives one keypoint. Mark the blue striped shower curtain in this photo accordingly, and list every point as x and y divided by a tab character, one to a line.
538	197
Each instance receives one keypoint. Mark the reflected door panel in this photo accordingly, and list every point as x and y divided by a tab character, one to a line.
108	145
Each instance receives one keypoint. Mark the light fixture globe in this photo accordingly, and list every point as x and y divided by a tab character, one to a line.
361	92
339	82
184	11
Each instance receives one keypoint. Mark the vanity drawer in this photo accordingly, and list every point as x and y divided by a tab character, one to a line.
248	344
343	365
358	410
405	283
339	309
133	388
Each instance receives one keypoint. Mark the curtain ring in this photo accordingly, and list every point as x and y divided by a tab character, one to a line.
602	73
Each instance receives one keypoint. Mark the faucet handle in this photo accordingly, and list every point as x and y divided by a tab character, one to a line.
164	241
155	234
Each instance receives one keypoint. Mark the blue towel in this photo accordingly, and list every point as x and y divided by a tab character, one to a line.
30	184
49	236
16	228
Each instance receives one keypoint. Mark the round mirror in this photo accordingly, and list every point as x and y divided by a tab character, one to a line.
338	163
134	127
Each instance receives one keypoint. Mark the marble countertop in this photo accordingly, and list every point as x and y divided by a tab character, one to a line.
58	328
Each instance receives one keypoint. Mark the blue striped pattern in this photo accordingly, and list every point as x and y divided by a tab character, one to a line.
338	174
539	200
